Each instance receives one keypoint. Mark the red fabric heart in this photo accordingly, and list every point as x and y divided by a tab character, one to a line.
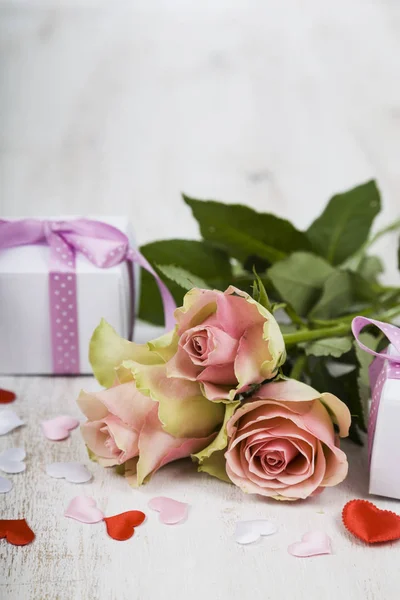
16	532
369	523
122	527
6	396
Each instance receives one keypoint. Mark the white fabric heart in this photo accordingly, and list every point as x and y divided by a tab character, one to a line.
247	532
9	420
5	485
11	460
73	472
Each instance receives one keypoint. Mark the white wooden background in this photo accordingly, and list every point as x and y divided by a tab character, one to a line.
110	107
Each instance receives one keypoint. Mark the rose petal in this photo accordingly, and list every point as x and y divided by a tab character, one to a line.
181	366
198	305
288	390
338	411
125	401
157	448
107	350
183	410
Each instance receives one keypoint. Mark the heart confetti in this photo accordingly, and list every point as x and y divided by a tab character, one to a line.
247	532
84	509
171	511
122	527
369	523
5	485
9	420
313	543
58	428
73	472
11	460
6	396
16	532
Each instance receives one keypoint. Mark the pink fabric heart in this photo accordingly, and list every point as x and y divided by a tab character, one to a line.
171	511
58	428
313	543
84	509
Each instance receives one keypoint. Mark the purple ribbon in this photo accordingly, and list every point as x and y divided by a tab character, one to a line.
103	245
384	366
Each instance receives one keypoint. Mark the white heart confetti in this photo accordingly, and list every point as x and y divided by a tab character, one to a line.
5	485
73	472
248	532
9	420
11	460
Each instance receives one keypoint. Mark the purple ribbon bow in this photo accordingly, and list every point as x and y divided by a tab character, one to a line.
103	245
377	374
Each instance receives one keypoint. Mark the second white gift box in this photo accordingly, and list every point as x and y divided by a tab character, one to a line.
384	417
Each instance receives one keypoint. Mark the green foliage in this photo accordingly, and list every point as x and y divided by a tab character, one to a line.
299	279
335	346
181	277
344	225
243	231
320	279
260	293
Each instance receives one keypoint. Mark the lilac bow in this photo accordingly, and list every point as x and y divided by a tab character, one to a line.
103	245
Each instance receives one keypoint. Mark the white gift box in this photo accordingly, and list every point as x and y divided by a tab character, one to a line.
25	327
385	441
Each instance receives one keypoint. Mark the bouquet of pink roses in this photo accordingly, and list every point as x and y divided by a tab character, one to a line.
213	389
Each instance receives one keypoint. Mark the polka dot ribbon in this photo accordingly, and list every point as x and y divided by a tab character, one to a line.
103	245
385	366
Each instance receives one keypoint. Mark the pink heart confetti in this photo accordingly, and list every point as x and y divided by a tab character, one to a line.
11	460
73	472
5	485
84	509
58	428
171	511
9	420
247	532
313	543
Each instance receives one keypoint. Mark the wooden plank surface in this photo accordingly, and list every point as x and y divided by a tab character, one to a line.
198	559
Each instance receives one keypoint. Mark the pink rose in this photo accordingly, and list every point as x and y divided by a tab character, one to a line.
123	427
226	341
283	442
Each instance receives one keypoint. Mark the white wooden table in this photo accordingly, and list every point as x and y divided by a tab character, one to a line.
198	559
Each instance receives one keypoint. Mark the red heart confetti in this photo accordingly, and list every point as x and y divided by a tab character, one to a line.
369	523
122	527
16	531
6	396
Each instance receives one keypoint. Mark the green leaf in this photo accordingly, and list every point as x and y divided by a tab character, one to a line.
344	225
364	290
337	295
245	232
335	346
183	278
370	267
299	279
259	292
344	387
202	259
275	306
